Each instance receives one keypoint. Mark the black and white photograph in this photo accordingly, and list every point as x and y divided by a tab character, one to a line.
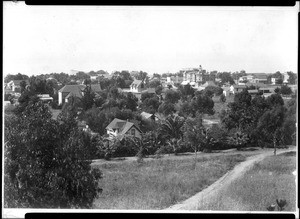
166	109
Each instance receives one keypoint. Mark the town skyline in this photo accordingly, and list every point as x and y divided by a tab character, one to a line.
150	39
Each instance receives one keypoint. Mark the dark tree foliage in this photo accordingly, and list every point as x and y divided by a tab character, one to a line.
203	104
285	90
46	164
172	96
216	90
166	108
87	101
18	76
150	104
186	91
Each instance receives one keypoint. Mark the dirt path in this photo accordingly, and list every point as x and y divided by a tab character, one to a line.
212	191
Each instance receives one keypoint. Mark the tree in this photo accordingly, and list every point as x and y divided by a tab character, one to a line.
222	98
131	101
285	90
202	103
172	96
238	139
18	76
166	108
292	77
270	124
46	164
216	90
150	104
171	129
194	134
87	101
154	83
96	120
186	91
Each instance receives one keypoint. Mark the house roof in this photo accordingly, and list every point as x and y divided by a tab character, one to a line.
261	76
146	115
71	88
255	84
209	83
122	125
115	123
149	90
136	82
96	87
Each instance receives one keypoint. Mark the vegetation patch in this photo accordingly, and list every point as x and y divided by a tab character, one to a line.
260	187
158	184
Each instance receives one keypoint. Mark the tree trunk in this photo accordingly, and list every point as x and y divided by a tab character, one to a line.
274	142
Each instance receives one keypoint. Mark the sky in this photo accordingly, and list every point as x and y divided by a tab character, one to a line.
155	39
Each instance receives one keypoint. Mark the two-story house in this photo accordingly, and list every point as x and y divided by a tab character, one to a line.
137	86
119	128
74	90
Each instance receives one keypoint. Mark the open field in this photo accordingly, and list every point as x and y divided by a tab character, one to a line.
160	183
265	182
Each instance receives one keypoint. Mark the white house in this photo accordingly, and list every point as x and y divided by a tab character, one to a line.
119	128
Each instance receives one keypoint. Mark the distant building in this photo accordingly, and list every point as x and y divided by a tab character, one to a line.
238	88
74	90
192	76
14	85
137	86
119	128
206	84
45	98
148	116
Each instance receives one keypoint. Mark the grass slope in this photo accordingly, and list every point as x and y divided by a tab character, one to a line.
267	181
157	184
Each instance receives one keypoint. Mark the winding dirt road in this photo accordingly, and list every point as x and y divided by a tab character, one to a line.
211	192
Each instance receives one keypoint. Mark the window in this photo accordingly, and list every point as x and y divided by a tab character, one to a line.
133	132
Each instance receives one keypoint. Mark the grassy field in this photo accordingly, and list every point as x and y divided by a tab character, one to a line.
267	181
159	183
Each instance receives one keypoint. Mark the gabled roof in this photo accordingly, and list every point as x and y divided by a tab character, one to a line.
146	115
116	123
72	88
136	82
122	125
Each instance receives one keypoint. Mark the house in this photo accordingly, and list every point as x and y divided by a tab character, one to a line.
261	78
45	98
237	88
120	128
253	92
274	80
69	90
74	90
206	84
15	86
148	116
137	86
192	76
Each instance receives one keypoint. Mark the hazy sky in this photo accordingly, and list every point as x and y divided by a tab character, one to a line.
45	39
